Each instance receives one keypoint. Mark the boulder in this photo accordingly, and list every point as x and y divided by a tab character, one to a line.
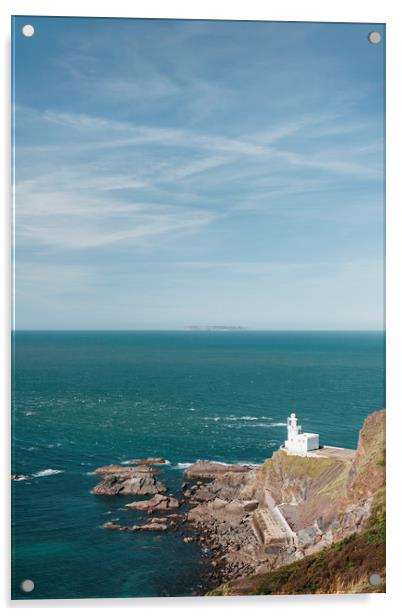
250	505
157	503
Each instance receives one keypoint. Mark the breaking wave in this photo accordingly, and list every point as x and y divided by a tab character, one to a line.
239	418
47	472
183	464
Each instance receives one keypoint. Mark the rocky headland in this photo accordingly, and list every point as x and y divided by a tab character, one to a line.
258	520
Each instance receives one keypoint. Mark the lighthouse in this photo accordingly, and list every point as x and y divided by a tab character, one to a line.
298	441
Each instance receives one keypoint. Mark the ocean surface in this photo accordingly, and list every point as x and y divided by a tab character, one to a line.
86	399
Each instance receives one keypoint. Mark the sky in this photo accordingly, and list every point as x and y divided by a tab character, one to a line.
174	173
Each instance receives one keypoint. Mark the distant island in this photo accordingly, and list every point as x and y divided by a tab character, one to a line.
211	328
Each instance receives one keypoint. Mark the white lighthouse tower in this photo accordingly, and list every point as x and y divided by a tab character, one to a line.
298	441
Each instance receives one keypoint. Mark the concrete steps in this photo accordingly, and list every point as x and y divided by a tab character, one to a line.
267	528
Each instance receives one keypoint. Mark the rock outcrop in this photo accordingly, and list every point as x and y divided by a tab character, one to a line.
157	461
126	481
116	469
202	469
152	524
17	477
157	503
367	474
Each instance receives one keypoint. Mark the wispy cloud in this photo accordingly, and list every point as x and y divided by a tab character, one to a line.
198	153
117	199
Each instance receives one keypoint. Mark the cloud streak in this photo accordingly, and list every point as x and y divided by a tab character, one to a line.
224	158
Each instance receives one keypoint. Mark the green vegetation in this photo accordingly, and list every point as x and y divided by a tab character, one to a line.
298	467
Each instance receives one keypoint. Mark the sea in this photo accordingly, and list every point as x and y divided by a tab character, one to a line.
86	399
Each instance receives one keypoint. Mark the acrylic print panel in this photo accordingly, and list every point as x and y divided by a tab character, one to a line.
198	370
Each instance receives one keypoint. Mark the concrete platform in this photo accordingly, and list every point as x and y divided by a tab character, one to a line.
338	453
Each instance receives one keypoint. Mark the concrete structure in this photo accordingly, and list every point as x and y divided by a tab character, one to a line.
300	442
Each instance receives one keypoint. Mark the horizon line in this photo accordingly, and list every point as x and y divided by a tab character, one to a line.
209	329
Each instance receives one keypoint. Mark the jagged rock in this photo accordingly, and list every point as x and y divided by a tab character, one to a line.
128	483
218	503
175	518
306	536
20	477
152	526
368	469
116	469
148	461
157	520
188	539
250	505
112	526
202	469
157	503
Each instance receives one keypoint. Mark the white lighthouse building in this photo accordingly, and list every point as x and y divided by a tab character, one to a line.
298	441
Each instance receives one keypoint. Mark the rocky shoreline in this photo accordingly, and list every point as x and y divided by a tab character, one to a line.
191	509
253	519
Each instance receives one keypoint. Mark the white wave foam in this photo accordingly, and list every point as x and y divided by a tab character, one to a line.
267	425
47	472
240	418
165	463
187	464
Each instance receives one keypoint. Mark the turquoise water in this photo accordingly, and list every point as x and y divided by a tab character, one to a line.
85	399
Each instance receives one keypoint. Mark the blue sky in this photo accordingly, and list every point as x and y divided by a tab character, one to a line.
173	173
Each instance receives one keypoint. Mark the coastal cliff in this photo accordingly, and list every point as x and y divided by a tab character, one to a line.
294	524
332	510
